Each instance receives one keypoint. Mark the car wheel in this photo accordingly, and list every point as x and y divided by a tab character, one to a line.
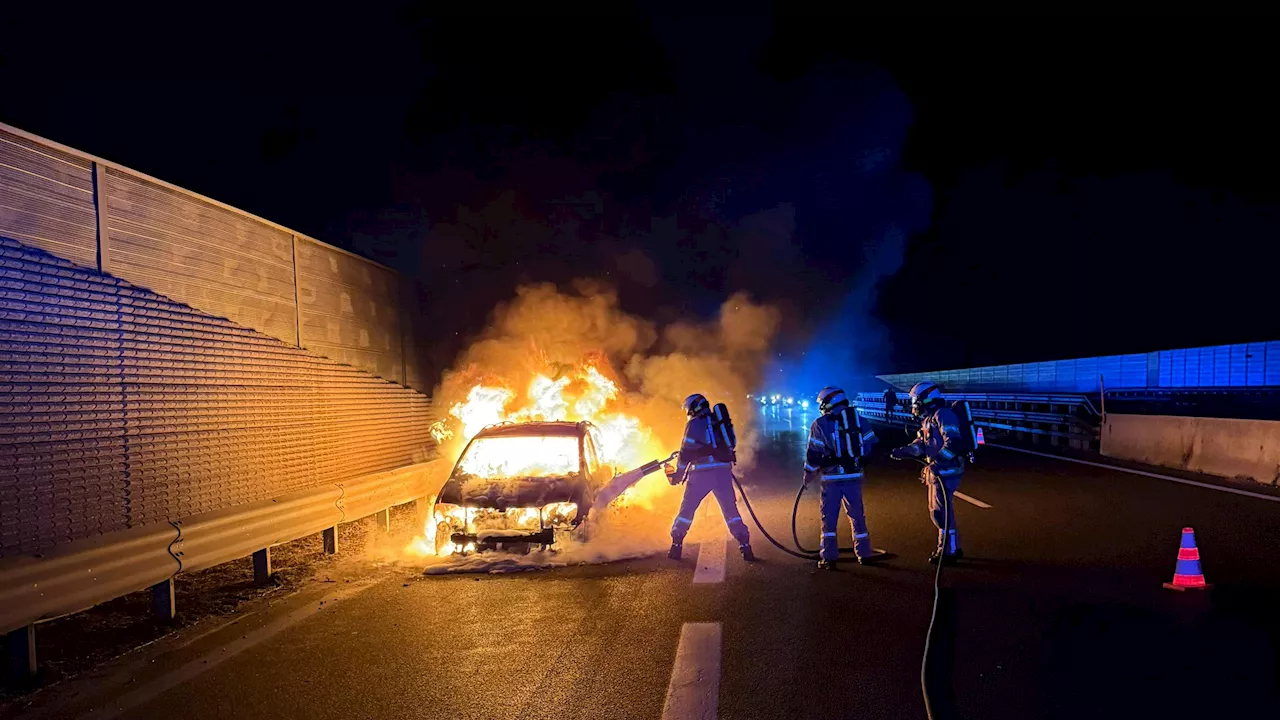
443	543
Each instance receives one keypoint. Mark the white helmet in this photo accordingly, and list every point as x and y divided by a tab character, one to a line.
829	398
923	396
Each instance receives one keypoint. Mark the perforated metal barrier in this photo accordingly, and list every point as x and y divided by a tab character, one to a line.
120	408
163	355
202	253
1243	365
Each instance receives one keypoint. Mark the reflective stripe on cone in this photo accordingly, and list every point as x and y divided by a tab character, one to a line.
1187	573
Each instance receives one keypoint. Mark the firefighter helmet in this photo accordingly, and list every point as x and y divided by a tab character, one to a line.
696	405
923	397
831	398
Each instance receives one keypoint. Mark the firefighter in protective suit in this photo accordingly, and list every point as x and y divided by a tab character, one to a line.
706	466
938	443
838	440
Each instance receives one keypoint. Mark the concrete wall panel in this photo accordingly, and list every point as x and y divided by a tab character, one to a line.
1216	446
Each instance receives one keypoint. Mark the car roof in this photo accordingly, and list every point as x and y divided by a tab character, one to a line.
534	429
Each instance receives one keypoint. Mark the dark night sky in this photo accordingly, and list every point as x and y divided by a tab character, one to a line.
1063	187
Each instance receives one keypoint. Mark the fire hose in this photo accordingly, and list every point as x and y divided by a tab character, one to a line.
805	554
937	592
801	552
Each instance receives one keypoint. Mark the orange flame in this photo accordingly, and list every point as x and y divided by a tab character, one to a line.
584	394
576	394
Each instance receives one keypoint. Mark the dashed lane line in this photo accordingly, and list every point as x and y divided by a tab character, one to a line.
972	500
711	560
694	690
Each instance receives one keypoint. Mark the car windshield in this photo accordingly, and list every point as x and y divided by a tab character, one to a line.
521	456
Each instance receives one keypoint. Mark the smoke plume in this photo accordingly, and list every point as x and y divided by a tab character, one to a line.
545	329
553	332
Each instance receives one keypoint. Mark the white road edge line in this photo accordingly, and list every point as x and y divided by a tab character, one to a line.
1157	476
149	690
711	557
972	500
694	690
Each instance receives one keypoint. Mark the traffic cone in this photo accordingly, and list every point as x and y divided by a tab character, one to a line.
1186	574
982	440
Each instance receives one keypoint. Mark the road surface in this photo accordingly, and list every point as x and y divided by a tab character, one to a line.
1056	612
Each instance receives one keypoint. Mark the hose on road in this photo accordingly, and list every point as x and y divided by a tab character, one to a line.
800	551
795	537
806	554
937	591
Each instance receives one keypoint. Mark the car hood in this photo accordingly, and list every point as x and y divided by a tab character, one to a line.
513	492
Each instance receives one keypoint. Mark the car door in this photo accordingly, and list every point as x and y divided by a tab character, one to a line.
597	473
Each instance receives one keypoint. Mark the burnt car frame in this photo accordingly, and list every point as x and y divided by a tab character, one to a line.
517	512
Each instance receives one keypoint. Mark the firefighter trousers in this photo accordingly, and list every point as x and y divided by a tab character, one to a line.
942	508
718	481
849	494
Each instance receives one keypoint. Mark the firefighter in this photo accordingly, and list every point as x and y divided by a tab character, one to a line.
838	440
938	443
706	466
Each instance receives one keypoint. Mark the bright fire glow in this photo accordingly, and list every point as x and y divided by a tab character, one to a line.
499	457
483	406
622	441
586	394
600	390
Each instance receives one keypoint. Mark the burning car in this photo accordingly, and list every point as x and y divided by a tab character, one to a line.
516	485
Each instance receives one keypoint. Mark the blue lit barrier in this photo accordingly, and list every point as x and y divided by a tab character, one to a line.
1071	417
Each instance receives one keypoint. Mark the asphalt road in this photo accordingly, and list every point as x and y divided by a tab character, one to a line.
1056	612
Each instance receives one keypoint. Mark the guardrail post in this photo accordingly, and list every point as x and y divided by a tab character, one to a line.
382	519
163	604
331	540
22	653
262	566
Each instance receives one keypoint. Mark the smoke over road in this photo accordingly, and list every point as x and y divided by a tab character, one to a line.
573	354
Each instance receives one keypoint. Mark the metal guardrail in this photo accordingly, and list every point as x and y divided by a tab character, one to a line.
1070	417
93	571
79	575
1084	402
367	495
224	535
1262	403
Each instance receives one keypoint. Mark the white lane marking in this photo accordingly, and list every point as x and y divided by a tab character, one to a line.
1157	476
971	500
694	690
711	555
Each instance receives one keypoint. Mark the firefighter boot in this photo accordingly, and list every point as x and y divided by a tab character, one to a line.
826	564
674	552
746	553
